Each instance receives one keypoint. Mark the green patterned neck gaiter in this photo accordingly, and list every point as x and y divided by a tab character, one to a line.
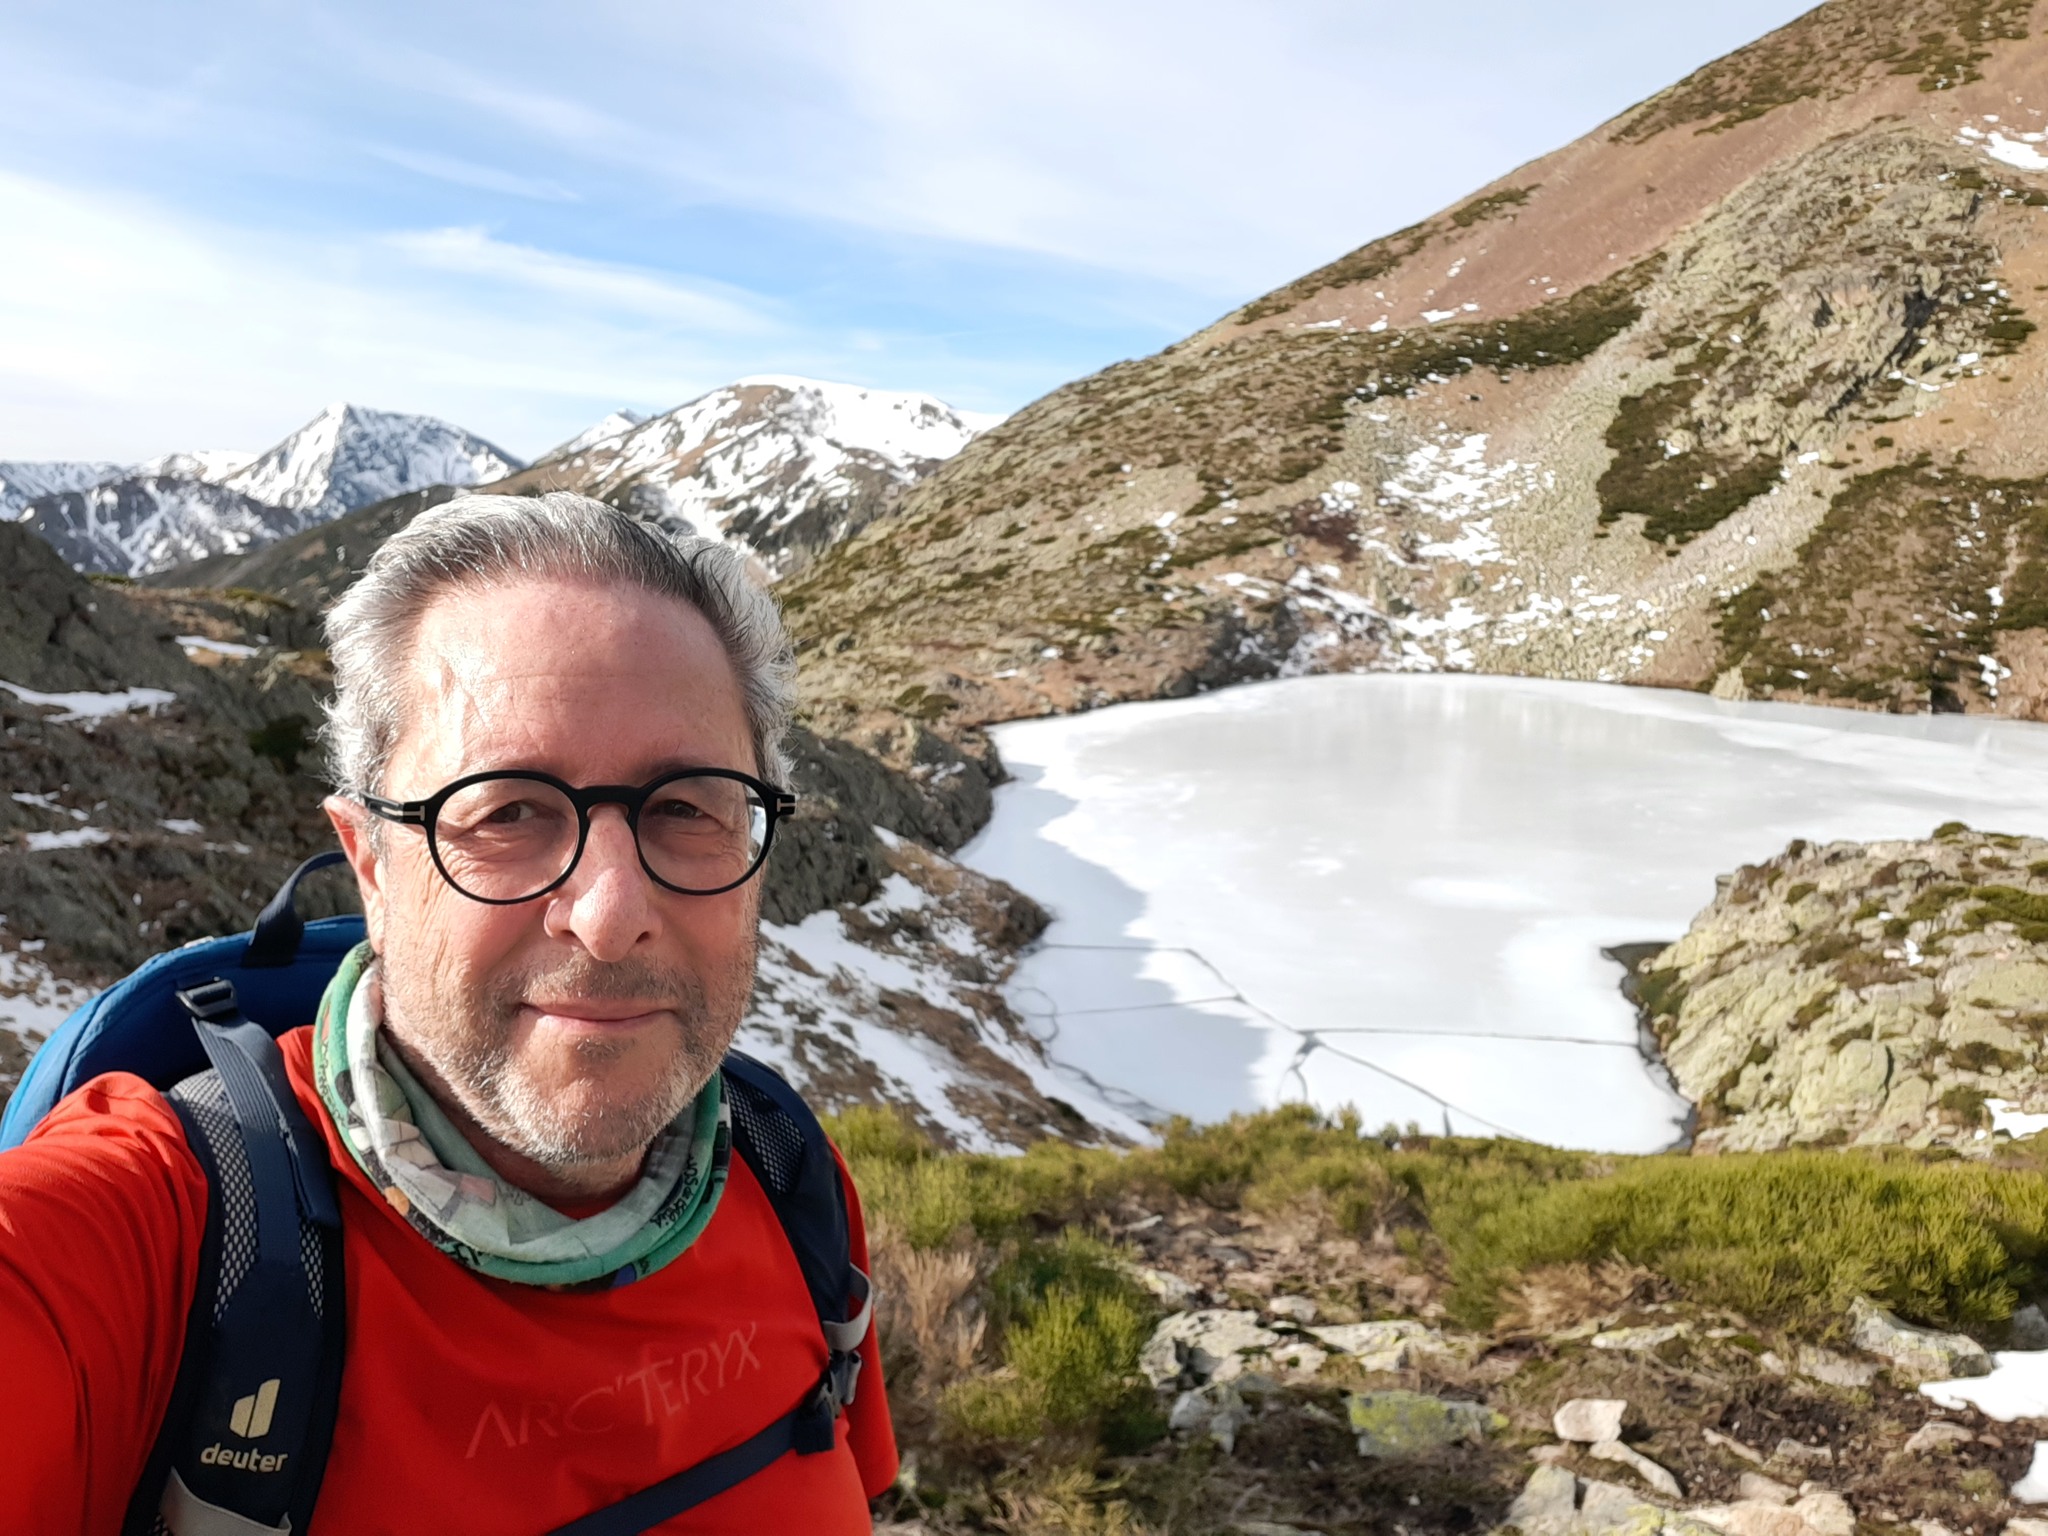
409	1149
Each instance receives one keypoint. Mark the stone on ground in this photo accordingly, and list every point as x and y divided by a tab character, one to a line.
1590	1420
1215	1410
1640	1338
1657	1477
1936	1434
1915	1354
1195	1348
1824	1365
1392	1345
1391	1425
1754	1485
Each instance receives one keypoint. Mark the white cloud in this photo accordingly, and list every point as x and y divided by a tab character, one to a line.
115	312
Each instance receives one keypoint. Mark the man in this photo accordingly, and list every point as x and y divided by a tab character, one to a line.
552	1302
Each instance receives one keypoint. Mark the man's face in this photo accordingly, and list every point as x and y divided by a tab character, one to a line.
572	1027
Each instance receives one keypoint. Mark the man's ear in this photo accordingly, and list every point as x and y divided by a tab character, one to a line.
359	847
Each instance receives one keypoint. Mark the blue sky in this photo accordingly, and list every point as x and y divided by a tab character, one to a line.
520	216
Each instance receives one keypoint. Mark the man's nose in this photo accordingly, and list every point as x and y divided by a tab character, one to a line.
607	903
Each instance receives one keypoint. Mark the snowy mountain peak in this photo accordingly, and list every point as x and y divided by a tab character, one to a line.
777	465
349	456
615	425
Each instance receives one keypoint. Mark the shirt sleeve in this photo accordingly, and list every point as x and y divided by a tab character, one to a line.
102	1213
869	1429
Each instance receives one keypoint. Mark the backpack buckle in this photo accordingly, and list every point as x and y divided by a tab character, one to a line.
843	1375
211	1002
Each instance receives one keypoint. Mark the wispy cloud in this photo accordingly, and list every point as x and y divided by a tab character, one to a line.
595	285
467	173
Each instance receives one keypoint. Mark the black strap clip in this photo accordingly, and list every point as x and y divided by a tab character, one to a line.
211	1002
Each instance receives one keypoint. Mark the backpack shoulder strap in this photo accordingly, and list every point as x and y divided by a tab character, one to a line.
781	1140
243	1446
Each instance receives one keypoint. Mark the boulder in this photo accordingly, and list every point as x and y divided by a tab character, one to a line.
1915	1354
1296	1309
1195	1348
2029	1329
1392	1425
1590	1420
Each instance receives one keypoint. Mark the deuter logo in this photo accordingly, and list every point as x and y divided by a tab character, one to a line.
251	1418
218	1455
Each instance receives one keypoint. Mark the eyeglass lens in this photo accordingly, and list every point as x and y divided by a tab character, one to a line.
507	839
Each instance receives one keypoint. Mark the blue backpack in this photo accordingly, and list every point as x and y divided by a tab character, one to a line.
243	1445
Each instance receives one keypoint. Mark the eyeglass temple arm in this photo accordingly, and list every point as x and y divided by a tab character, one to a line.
410	812
783	805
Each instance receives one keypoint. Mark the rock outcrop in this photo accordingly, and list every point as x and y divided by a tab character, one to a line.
1862	994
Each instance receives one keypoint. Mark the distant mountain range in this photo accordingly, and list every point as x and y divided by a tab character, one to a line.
779	466
133	520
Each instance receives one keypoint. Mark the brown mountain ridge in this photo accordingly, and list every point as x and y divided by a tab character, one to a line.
1738	392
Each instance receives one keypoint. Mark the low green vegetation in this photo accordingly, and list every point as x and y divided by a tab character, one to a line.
1890	601
1014	1305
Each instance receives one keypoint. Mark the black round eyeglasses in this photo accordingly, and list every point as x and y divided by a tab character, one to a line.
509	836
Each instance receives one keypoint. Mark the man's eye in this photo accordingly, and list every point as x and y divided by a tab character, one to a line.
518	813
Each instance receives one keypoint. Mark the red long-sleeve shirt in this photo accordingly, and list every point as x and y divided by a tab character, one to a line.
467	1404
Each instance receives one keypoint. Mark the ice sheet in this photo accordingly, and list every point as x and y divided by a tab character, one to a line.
1394	891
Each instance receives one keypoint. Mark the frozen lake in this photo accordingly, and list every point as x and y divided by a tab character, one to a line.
1393	892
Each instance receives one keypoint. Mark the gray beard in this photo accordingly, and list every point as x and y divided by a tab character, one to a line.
463	1042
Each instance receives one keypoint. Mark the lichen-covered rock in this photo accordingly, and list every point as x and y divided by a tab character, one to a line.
1392	1345
1916	1354
1852	993
1195	1348
1391	1425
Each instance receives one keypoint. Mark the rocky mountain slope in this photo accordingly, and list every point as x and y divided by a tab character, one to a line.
134	524
1875	995
1740	391
21	482
183	507
782	467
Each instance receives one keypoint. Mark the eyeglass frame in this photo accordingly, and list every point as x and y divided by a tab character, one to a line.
779	804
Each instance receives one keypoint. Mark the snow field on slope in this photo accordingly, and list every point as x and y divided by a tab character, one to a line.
1393	891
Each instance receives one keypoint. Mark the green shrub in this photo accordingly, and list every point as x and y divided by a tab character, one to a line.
1072	1324
1783	1237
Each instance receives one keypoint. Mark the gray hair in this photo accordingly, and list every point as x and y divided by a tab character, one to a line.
475	540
